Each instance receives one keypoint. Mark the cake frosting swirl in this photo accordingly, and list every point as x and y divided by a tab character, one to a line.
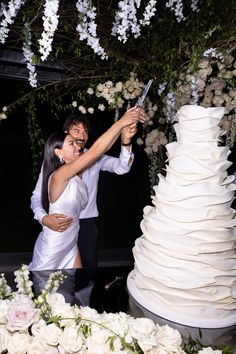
185	260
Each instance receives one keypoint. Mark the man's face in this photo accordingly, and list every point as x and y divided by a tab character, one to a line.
80	133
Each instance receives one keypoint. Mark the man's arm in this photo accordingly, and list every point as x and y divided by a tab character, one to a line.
56	222
122	164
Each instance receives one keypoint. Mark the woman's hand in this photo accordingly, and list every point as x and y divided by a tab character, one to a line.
133	115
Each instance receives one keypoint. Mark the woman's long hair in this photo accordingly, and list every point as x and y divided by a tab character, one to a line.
51	163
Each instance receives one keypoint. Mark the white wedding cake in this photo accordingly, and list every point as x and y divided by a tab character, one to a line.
185	261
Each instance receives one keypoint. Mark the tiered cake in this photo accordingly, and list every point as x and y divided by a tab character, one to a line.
185	261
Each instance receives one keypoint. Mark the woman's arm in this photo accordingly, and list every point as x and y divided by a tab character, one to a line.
101	145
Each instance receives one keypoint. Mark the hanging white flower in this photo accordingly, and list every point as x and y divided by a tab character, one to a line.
9	13
29	55
126	20
149	12
87	27
177	7
50	23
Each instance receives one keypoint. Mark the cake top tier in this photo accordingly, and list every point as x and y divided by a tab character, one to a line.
198	124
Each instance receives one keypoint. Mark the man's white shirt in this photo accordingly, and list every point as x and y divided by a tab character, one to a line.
120	166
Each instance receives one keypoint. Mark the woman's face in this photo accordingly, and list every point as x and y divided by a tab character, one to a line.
70	149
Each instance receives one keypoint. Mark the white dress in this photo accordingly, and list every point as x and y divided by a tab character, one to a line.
57	250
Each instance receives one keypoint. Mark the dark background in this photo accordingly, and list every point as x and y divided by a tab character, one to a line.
120	198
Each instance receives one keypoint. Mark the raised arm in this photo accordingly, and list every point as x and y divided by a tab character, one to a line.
101	145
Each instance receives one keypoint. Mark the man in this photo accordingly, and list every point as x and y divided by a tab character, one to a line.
77	126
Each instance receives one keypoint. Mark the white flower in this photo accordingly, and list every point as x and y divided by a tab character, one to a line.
87	26
4	338
74	103
90	91
18	343
97	343
101	107
126	20
21	314
209	350
50	333
168	338
4	109
82	109
4	307
50	23
3	116
8	17
91	110
70	340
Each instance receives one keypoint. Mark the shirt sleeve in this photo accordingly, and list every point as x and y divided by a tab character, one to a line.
119	165
36	200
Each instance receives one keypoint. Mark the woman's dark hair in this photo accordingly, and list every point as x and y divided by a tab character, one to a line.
51	163
75	119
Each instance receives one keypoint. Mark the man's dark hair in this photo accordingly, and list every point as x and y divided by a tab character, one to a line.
75	119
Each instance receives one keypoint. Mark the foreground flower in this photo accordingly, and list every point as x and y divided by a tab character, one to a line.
49	325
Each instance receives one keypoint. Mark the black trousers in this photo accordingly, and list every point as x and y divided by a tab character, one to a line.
87	242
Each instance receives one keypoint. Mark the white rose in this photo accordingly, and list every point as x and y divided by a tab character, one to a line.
89	313
141	327
169	338
50	333
96	343
4	338
36	327
74	104
70	340
37	346
18	343
209	350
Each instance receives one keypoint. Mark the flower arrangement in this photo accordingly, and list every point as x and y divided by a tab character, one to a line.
46	324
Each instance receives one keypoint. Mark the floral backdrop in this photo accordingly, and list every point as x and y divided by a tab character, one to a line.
108	52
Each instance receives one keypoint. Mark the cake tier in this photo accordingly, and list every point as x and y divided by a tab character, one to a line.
185	261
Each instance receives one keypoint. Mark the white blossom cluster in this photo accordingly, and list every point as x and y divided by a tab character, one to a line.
23	284
194	6
126	20
214	88
214	53
29	55
169	109
149	12
54	281
5	289
177	7
9	13
3	114
87	27
67	328
50	23
153	140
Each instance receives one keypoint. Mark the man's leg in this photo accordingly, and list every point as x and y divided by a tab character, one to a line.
87	242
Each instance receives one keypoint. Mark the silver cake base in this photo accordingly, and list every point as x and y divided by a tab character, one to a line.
140	307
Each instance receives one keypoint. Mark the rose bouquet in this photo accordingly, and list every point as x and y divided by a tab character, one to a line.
46	324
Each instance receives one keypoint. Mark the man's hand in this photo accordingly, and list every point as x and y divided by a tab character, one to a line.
127	133
57	222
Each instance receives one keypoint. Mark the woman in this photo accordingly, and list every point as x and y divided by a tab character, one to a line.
64	191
